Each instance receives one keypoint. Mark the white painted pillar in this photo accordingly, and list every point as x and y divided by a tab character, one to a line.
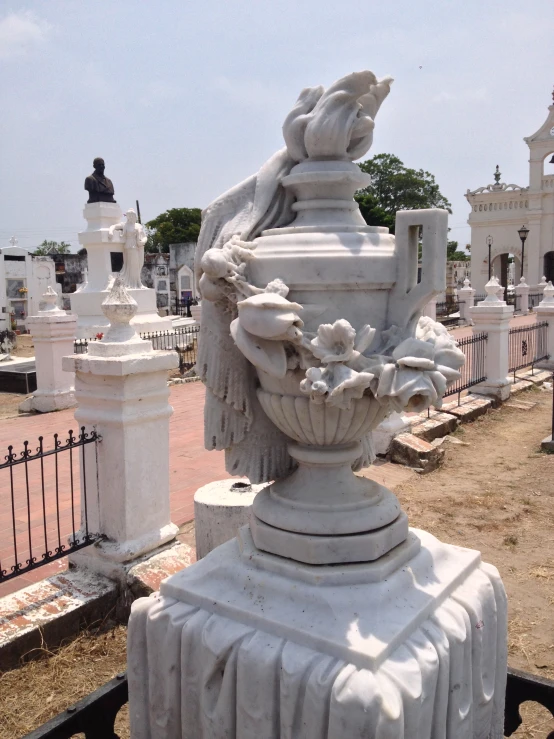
53	332
466	298
545	312
121	389
493	316
522	291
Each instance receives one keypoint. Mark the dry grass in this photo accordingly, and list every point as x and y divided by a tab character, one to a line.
53	681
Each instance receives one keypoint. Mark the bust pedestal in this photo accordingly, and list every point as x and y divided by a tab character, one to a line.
86	302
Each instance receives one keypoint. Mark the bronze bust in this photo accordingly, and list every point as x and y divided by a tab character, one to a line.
100	188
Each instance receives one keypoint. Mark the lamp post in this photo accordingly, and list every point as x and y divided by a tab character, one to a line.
489	244
523	233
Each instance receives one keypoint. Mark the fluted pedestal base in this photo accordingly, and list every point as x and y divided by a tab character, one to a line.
246	645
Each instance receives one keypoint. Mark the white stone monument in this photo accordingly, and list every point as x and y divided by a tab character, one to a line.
327	617
53	331
106	234
121	389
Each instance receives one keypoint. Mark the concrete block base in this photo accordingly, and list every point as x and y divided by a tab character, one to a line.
115	560
220	510
497	392
470	408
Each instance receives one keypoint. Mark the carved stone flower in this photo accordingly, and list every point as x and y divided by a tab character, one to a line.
265	321
337	384
334	342
315	385
421	369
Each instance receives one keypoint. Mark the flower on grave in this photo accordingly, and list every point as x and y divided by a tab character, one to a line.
99	336
265	322
420	371
338	347
336	384
338	342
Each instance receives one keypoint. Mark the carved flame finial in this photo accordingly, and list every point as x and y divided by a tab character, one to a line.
336	123
497	175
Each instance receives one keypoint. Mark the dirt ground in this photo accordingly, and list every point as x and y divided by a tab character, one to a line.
494	493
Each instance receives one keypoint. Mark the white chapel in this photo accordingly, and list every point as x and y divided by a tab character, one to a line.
499	211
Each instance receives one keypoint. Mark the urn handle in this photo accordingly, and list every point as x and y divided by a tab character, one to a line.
408	297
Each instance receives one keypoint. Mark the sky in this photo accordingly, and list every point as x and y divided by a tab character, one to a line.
185	99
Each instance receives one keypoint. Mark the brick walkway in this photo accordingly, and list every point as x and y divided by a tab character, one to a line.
191	466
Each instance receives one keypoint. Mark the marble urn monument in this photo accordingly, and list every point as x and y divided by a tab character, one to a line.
327	617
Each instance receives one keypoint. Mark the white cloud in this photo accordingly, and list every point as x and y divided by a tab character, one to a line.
20	32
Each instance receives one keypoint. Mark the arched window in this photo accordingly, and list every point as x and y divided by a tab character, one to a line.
185	283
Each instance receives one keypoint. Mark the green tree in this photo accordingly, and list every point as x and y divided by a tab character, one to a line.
396	187
175	226
453	255
52	247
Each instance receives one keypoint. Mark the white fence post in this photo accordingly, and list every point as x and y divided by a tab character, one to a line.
545	312
121	388
466	298
522	292
53	331
493	316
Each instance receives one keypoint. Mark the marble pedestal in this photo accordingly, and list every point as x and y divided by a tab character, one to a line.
247	645
53	335
87	301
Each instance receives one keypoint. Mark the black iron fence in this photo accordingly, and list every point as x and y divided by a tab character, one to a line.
95	715
43	501
535	299
182	306
448	312
513	299
527	345
183	340
473	372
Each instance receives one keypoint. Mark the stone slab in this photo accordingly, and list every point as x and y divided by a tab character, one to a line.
519	386
437	425
415	452
18	378
537	377
51	610
521	405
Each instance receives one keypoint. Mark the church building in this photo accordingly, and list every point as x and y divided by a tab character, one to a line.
501	213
